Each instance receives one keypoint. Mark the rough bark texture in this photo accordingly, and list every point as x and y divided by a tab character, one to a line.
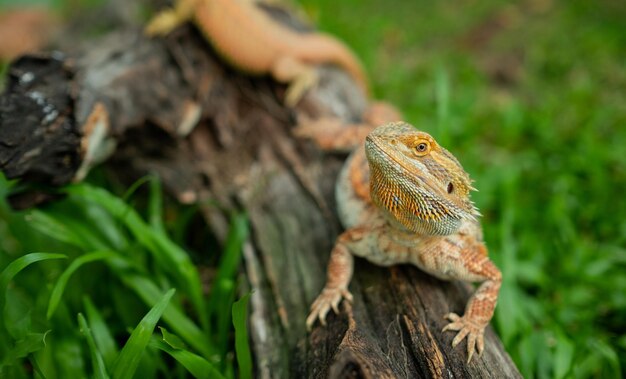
241	154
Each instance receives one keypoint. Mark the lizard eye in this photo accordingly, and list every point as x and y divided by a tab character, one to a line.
421	148
450	187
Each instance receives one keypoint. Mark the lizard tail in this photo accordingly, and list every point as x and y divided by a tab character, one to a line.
324	48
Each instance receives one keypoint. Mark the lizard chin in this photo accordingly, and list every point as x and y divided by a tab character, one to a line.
406	192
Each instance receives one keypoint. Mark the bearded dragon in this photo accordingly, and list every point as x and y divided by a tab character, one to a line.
417	210
251	41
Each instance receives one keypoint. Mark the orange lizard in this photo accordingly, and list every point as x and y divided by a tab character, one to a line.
251	41
405	199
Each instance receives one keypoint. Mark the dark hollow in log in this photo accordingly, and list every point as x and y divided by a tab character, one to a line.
149	95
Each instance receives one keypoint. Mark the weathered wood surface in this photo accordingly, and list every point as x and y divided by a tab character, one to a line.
242	155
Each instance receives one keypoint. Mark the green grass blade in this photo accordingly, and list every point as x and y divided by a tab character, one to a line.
18	265
129	357
29	344
186	271
178	321
224	285
101	334
172	339
195	364
37	368
71	224
168	255
134	187
97	360
232	253
108	233
242	346
59	287
155	205
563	356
229	263
224	318
50	226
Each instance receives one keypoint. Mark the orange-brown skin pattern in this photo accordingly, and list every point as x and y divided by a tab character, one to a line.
417	211
250	40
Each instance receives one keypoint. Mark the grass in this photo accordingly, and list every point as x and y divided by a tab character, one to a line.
530	97
84	282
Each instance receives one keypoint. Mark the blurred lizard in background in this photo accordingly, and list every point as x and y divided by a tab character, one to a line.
405	199
253	42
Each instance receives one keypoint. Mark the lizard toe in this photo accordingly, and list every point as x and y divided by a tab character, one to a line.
480	344
327	300
347	295
466	327
460	336
319	309
453	326
471	345
335	305
470	353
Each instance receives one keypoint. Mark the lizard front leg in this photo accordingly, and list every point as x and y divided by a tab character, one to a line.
479	309
300	77
452	258
338	276
370	242
478	312
167	20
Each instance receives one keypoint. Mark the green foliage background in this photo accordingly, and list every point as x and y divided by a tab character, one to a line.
529	95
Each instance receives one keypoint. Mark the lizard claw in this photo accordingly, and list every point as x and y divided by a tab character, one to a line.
474	331
327	300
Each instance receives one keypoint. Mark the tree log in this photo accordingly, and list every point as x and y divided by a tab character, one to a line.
172	107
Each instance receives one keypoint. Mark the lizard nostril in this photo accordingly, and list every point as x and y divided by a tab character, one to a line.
450	187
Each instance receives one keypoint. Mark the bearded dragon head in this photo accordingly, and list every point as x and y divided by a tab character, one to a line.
416	182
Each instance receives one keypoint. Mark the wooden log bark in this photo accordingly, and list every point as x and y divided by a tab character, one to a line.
211	133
